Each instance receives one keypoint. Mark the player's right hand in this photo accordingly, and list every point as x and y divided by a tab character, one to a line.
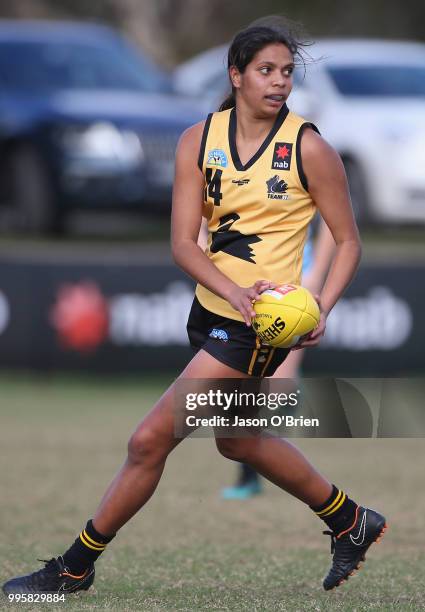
243	298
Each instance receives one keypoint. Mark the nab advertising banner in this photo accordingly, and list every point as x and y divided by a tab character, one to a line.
132	318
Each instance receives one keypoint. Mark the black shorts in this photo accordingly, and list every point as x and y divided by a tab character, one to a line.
232	342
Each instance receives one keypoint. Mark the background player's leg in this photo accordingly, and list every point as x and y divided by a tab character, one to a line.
248	484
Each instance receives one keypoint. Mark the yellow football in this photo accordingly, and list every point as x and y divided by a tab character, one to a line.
284	315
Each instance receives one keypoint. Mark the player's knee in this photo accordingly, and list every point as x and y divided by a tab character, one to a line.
233	448
145	445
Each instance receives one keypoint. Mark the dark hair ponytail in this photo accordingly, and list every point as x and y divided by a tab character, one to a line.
228	102
263	32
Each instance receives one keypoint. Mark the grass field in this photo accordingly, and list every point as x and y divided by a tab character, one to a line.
61	440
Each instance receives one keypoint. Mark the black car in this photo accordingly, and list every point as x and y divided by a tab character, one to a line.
86	121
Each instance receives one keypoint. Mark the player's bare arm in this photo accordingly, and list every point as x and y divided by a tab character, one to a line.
185	225
328	187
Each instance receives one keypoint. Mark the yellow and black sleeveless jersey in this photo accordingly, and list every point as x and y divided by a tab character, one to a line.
257	213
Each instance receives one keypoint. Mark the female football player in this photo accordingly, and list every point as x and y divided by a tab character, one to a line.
257	172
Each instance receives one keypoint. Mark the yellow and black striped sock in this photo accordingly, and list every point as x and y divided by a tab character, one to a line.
89	545
338	511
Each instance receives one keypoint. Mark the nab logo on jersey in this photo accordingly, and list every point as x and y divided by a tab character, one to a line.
282	155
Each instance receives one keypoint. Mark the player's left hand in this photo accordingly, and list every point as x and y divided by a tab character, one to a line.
262	285
314	337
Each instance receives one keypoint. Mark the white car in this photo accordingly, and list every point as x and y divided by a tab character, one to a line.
367	97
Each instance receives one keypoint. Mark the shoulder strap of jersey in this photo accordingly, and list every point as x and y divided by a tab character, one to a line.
204	142
300	168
